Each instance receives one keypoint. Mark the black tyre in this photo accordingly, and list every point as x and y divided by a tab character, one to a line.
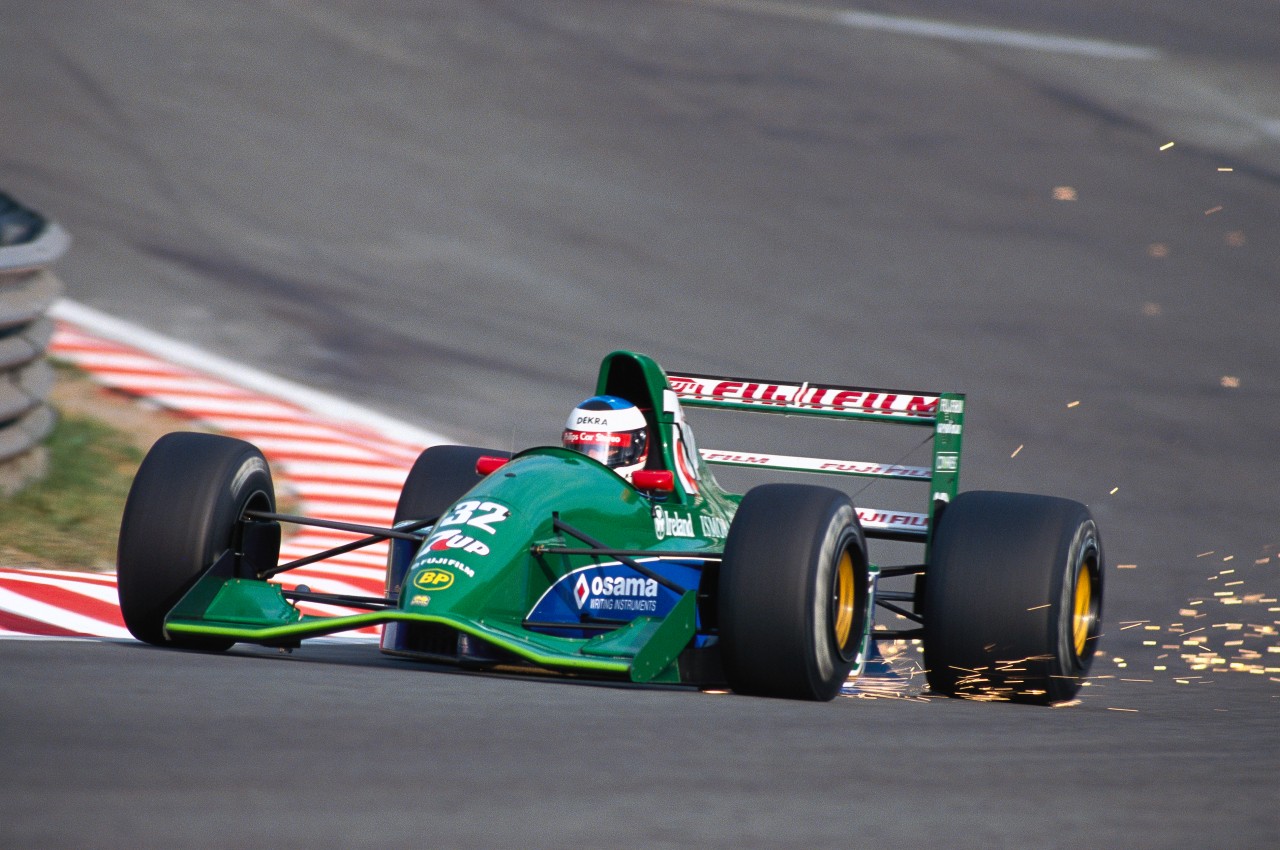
1012	597
792	592
439	477
183	512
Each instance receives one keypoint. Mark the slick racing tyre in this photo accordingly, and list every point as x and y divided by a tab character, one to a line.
1012	598
439	477
183	512
792	592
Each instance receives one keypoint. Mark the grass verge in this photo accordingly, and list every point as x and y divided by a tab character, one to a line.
71	517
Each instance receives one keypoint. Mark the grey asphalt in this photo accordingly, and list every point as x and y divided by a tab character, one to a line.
450	211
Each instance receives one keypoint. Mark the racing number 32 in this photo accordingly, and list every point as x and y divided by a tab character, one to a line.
476	514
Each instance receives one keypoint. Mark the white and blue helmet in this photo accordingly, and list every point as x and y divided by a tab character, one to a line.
611	430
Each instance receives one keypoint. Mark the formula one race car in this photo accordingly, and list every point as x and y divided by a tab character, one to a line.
551	559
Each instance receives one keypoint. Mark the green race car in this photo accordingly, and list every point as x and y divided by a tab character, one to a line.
617	555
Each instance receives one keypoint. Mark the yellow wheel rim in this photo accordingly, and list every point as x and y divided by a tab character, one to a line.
844	599
1082	617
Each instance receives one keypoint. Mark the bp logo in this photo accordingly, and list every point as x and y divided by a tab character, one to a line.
433	579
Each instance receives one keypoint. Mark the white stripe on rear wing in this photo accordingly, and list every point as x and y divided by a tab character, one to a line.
894	525
805	399
792	463
942	413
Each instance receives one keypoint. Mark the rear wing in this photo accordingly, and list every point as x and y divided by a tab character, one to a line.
943	413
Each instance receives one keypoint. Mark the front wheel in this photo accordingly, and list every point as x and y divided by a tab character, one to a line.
439	477
183	512
792	592
1012	597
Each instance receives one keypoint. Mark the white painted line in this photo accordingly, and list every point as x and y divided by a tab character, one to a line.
105	579
284	449
248	427
347	512
8	635
204	406
101	592
116	361
348	492
308	470
939	30
178	384
191	357
35	610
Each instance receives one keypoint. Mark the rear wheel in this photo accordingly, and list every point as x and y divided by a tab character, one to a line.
792	592
1012	597
183	512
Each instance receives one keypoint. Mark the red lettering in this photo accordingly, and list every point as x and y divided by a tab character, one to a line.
920	404
726	388
726	457
848	398
771	395
685	385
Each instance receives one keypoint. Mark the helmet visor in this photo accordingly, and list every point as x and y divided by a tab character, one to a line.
612	448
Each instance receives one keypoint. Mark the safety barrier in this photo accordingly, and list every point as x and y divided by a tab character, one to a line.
29	243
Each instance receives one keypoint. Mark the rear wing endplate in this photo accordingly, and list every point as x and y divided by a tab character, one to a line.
943	413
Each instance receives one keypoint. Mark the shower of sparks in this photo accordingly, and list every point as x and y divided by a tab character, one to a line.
1234	629
1065	193
1073	404
1158	250
1204	642
1114	490
1015	451
1230	382
905	679
1166	146
1213	210
1244	643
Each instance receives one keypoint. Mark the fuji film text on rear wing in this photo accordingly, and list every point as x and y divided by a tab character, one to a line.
805	398
943	412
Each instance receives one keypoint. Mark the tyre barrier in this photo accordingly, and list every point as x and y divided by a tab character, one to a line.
29	243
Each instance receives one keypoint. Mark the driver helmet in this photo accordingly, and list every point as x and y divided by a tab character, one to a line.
610	429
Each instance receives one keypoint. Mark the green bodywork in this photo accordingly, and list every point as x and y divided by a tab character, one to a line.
486	575
487	562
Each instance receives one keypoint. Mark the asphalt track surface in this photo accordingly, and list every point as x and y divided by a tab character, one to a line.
449	212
